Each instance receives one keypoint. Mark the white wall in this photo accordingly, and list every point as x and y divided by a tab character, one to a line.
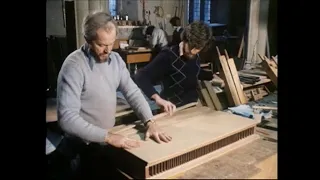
134	10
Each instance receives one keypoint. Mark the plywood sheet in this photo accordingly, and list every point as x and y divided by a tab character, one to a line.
191	133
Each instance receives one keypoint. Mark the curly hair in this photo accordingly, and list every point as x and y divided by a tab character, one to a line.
198	35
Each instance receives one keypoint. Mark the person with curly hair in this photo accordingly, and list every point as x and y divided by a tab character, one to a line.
177	68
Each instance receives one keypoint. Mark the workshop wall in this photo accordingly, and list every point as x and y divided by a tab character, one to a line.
134	10
54	18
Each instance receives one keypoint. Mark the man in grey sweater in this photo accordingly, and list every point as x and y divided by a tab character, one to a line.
86	94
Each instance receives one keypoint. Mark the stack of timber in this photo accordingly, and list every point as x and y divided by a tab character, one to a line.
233	87
198	135
271	68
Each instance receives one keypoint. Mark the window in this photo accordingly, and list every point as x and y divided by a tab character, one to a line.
196	10
199	10
113	7
207	5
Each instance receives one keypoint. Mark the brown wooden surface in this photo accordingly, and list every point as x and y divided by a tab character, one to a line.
230	88
205	128
138	58
236	80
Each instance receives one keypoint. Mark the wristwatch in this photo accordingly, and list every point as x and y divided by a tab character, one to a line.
145	123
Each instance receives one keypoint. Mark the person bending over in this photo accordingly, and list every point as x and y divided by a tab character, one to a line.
178	69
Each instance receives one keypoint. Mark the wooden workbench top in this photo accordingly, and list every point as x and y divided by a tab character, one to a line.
190	132
51	110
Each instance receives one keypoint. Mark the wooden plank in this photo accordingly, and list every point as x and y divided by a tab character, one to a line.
229	82
272	73
213	95
236	80
205	95
271	62
265	107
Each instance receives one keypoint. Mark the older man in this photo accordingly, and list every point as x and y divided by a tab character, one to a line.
86	94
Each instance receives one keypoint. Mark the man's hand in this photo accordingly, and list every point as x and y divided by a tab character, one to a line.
156	133
166	105
120	141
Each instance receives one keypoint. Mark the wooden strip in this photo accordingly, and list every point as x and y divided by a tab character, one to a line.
229	82
241	47
272	73
213	96
206	96
265	107
271	62
237	83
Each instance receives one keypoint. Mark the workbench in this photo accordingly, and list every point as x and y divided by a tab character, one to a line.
257	159
135	56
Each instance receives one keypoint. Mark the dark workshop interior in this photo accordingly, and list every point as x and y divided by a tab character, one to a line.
241	98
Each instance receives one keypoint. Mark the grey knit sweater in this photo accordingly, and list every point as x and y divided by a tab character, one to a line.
86	95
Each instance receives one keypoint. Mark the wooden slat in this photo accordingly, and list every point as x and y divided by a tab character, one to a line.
213	96
236	80
206	96
231	89
272	73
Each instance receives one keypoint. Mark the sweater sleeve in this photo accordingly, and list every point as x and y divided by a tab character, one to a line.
152	73
133	94
69	87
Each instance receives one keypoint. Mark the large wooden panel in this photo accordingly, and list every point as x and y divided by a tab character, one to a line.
191	133
194	135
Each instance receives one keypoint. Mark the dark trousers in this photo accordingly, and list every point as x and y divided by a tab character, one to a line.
61	166
96	163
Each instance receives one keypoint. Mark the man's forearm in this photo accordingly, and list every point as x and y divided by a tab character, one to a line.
139	103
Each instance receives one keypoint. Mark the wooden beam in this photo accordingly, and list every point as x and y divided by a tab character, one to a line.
252	33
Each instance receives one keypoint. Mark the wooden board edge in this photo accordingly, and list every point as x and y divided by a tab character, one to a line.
206	158
204	144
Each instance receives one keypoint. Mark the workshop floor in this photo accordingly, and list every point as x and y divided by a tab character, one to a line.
255	160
